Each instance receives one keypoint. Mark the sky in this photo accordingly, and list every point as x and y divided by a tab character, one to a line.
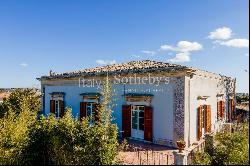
37	36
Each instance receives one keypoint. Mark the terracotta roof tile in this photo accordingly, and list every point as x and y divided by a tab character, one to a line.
129	67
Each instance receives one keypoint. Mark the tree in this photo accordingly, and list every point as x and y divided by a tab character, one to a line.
21	99
14	135
82	143
103	135
66	141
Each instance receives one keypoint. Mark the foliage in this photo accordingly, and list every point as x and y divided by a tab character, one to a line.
21	99
242	98
14	135
68	141
230	149
202	158
65	141
123	146
233	148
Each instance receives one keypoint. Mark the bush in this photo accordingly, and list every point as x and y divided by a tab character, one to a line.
201	158
68	141
231	148
21	99
14	135
65	141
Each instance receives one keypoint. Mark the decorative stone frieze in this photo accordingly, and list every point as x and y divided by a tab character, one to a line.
57	95
179	102
132	97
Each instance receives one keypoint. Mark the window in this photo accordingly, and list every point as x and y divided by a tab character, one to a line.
138	118
141	120
134	120
203	119
57	104
57	108
90	111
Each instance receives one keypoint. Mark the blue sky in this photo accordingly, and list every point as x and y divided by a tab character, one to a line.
39	35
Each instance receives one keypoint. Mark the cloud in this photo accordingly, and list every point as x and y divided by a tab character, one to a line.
144	53
183	46
183	50
186	46
220	34
135	56
222	37
23	64
152	53
167	47
239	43
181	57
105	62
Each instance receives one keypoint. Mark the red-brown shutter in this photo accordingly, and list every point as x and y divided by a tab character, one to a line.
218	110
52	106
126	121
148	123
199	123
61	104
222	109
208	119
96	108
232	109
83	110
228	110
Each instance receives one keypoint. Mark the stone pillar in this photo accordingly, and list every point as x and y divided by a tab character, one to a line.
179	110
180	158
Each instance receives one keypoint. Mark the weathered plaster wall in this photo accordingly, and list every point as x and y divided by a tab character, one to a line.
175	104
162	103
205	84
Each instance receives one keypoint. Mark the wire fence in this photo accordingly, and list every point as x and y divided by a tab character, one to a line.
140	156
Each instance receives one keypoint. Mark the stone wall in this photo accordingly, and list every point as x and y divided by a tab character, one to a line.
179	102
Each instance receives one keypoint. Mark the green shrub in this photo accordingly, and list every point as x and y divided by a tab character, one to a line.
14	135
66	141
231	148
21	99
201	158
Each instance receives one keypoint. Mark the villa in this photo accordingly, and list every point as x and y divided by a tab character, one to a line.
154	101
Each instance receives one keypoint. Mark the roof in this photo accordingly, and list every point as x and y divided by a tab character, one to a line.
123	68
